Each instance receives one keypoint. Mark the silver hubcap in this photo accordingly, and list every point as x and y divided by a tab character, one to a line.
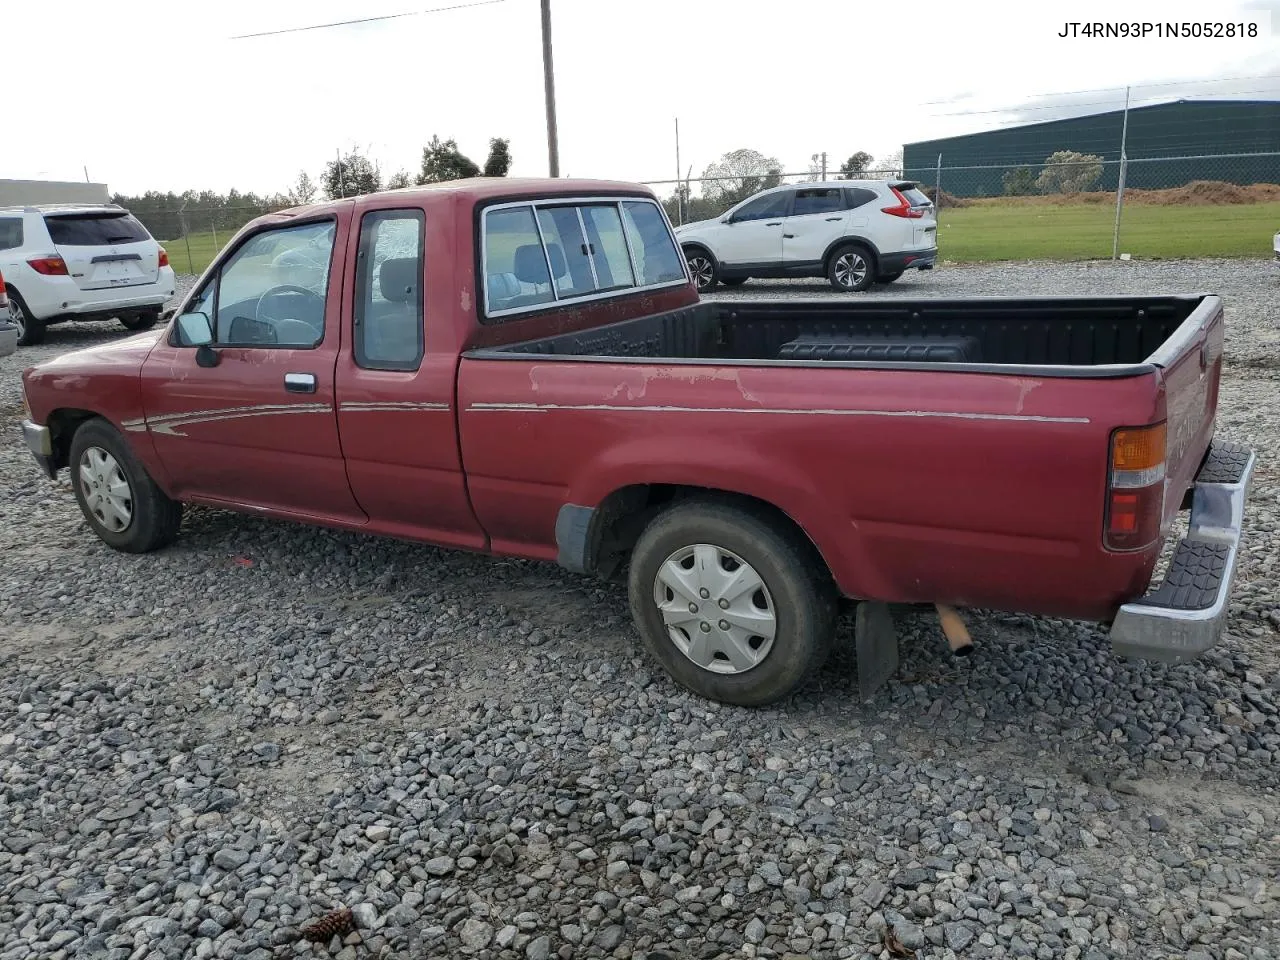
716	608
17	318
701	269
851	269
106	490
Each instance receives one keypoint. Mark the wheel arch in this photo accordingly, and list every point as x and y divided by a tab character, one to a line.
598	539
850	241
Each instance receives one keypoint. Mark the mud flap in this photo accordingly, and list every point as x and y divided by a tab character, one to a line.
876	641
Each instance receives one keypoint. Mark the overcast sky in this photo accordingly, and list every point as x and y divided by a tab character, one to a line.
152	95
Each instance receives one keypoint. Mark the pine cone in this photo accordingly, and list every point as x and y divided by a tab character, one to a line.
337	923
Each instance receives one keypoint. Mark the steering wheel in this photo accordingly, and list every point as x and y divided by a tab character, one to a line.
284	289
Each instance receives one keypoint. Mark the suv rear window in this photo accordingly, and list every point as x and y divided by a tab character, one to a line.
95	229
10	233
916	197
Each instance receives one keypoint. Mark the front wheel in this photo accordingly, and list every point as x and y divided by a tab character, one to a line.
117	496
733	604
851	269
702	268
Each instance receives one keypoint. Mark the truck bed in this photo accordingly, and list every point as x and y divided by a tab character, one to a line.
1067	336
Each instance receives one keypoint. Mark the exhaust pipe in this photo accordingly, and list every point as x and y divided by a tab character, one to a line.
956	632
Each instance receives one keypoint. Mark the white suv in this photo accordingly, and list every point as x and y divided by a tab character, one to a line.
80	262
853	232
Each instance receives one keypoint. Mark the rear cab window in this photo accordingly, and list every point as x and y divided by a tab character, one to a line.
536	254
95	229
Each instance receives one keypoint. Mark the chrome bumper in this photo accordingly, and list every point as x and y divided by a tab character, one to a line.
40	443
1184	615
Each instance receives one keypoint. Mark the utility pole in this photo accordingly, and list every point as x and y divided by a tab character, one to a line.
824	165
549	80
1124	164
679	186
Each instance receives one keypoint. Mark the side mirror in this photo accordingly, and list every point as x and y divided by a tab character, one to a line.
194	330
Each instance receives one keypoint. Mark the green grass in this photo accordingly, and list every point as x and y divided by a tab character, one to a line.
999	231
1029	231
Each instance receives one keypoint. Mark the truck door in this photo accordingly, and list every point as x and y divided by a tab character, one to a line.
258	428
395	380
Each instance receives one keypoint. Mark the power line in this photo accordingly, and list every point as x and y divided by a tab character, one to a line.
349	23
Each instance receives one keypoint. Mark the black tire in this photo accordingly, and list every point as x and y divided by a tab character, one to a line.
30	330
797	591
734	281
140	321
702	267
852	268
889	277
154	518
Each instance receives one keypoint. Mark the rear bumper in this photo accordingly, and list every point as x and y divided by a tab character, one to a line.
908	260
40	442
58	298
1184	616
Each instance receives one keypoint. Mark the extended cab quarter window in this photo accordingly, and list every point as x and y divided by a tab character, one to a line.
553	251
271	293
389	304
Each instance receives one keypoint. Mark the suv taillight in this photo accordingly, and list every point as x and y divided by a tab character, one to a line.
1135	487
49	266
164	257
904	207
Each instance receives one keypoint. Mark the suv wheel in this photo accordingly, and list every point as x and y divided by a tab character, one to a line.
30	330
851	269
702	268
140	321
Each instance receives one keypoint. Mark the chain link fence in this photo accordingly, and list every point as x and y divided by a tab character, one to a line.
1225	205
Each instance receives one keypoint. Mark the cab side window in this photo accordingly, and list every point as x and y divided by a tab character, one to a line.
389	302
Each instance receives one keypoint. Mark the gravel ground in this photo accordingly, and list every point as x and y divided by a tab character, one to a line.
204	749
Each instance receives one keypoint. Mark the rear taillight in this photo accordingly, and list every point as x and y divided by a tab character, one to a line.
49	266
904	207
4	296
1135	487
164	257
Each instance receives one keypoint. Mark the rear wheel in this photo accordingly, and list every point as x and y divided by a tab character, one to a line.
30	329
889	277
733	604
140	321
702	268
851	269
117	496
734	281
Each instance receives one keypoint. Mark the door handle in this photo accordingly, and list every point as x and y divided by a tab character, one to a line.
788	236
834	219
776	223
300	382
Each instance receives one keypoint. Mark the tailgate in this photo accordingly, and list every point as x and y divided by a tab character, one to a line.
104	249
1191	366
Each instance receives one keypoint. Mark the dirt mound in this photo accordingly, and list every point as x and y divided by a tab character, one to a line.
1207	193
947	199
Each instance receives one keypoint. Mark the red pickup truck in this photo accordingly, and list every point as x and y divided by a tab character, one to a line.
524	368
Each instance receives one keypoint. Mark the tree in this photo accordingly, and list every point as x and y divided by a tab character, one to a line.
499	160
401	179
350	176
303	190
1019	182
1067	171
888	166
856	166
442	160
739	174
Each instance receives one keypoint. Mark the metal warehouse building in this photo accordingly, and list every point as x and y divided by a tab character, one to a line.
1184	128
